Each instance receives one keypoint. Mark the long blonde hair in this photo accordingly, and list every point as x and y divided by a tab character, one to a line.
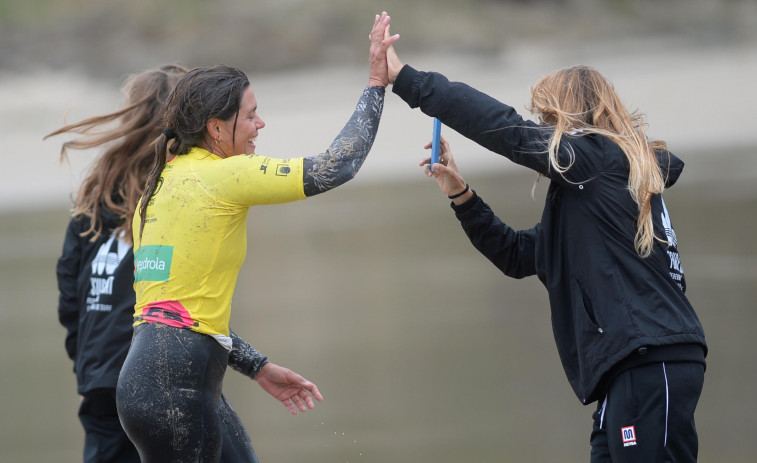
579	99
117	177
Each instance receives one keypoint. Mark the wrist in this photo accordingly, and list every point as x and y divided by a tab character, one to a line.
264	364
461	193
463	197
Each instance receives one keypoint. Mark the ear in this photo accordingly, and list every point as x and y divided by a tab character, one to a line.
213	126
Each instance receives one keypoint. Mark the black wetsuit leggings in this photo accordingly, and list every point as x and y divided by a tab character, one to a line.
170	403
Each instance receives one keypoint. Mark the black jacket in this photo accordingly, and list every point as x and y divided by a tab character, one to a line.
96	304
611	309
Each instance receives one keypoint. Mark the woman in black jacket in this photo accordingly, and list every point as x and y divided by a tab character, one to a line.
605	249
96	273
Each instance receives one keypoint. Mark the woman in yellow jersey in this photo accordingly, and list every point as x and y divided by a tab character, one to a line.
190	241
96	269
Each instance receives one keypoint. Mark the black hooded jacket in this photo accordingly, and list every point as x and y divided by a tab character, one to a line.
611	309
96	302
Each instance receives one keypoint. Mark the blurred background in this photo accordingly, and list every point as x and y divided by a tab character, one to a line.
423	351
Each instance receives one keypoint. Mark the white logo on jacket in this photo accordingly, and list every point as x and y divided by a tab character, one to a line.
104	265
676	269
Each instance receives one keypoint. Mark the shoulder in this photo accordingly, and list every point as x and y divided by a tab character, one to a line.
588	155
78	224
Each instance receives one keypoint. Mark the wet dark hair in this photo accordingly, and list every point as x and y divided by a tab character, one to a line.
202	94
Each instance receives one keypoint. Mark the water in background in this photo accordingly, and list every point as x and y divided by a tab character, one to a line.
695	107
421	349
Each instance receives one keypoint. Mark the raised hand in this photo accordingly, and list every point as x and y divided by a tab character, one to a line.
378	73
394	65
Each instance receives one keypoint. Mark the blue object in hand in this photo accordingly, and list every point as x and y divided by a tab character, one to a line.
435	141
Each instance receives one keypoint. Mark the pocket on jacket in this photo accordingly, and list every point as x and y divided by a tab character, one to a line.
580	297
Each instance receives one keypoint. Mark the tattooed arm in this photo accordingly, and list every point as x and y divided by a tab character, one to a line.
349	149
244	358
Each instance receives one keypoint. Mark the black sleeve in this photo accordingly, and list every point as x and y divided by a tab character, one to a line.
244	358
512	251
68	273
492	124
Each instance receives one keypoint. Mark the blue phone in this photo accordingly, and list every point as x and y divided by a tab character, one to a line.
435	142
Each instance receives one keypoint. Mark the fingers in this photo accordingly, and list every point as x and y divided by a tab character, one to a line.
439	168
303	399
299	402
380	33
379	27
314	390
444	148
381	53
388	41
289	406
445	156
375	22
394	65
378	71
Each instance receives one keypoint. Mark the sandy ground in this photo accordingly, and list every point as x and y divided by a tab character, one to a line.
698	99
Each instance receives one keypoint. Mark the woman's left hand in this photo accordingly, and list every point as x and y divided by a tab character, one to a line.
288	387
378	73
446	173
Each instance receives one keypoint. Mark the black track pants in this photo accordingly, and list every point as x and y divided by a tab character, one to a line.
170	403
104	439
648	415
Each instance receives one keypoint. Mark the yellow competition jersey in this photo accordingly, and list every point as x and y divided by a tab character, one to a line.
195	235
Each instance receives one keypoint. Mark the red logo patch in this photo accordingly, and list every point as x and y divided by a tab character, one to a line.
629	435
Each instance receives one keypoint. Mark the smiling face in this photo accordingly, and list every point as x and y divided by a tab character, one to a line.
231	140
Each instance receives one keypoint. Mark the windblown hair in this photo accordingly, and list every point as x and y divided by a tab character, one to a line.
579	99
202	94
116	179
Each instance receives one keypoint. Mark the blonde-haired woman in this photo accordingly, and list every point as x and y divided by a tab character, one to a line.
627	336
